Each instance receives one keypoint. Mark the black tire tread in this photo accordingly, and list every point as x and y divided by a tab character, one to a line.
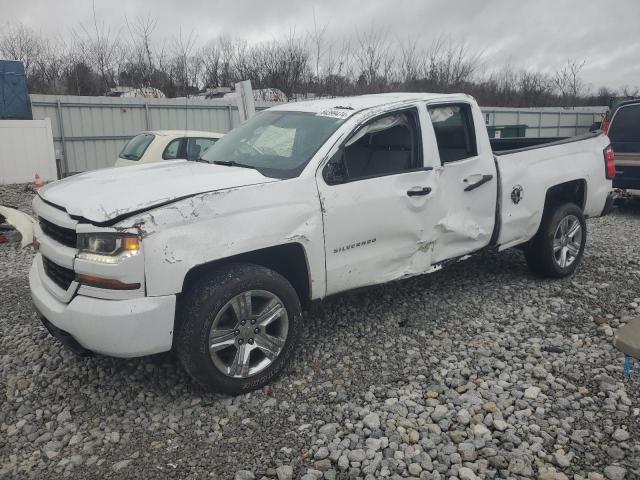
211	291
539	252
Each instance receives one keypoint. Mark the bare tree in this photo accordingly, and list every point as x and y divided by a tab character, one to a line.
568	82
411	64
94	58
317	41
18	42
338	70
185	67
373	58
141	64
102	50
211	55
628	91
449	65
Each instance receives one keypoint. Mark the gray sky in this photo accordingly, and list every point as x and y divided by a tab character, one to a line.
535	34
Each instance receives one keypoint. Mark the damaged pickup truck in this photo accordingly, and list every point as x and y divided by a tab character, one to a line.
214	259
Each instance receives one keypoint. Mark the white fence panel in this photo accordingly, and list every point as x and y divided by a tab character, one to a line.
26	148
545	121
89	132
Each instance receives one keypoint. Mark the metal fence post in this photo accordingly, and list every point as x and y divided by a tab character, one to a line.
230	118
540	124
146	116
65	163
559	122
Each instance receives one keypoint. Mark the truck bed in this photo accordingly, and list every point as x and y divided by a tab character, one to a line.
504	144
526	173
501	146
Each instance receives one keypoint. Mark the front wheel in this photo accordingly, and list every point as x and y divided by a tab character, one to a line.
557	248
238	328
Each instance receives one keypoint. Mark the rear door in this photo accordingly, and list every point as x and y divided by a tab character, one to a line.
467	183
624	134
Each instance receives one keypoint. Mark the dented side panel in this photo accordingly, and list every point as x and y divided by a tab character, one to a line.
374	231
465	218
218	225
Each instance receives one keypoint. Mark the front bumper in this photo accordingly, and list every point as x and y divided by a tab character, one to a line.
118	328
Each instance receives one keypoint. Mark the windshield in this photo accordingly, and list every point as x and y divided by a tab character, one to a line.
277	144
136	146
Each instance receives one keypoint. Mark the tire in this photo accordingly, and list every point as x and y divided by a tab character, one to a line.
546	251
219	311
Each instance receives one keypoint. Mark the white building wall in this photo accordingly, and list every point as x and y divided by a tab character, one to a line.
26	148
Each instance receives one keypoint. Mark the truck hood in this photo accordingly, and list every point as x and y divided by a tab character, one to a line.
111	194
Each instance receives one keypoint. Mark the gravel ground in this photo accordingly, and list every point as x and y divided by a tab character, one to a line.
477	371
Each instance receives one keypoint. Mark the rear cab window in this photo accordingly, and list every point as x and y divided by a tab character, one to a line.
454	130
135	148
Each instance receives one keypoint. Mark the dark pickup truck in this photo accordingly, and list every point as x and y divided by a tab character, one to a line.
622	125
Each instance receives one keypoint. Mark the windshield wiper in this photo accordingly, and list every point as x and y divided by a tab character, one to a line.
228	163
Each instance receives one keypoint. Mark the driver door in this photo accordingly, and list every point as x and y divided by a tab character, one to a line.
376	200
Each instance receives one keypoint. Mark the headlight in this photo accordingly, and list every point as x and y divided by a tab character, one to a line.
107	247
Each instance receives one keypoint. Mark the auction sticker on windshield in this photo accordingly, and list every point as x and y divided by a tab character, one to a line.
335	113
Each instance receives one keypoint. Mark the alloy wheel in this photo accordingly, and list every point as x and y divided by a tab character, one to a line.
567	241
248	333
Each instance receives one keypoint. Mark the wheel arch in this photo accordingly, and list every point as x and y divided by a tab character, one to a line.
289	260
574	191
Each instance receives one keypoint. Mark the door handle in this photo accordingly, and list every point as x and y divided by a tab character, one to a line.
482	181
419	191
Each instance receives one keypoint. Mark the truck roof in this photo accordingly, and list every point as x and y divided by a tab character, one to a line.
365	102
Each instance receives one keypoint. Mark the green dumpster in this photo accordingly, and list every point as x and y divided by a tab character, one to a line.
507	131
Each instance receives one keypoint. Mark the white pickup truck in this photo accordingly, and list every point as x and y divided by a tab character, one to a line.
215	258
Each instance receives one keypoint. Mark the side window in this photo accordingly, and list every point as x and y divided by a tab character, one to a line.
384	146
625	126
171	150
197	147
455	134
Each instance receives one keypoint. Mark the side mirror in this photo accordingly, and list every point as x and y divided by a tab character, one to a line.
335	171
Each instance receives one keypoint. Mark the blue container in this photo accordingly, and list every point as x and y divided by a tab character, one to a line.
15	103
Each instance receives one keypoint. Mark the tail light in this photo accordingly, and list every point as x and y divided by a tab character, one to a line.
609	162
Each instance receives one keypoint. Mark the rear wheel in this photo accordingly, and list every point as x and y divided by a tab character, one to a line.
239	328
557	248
